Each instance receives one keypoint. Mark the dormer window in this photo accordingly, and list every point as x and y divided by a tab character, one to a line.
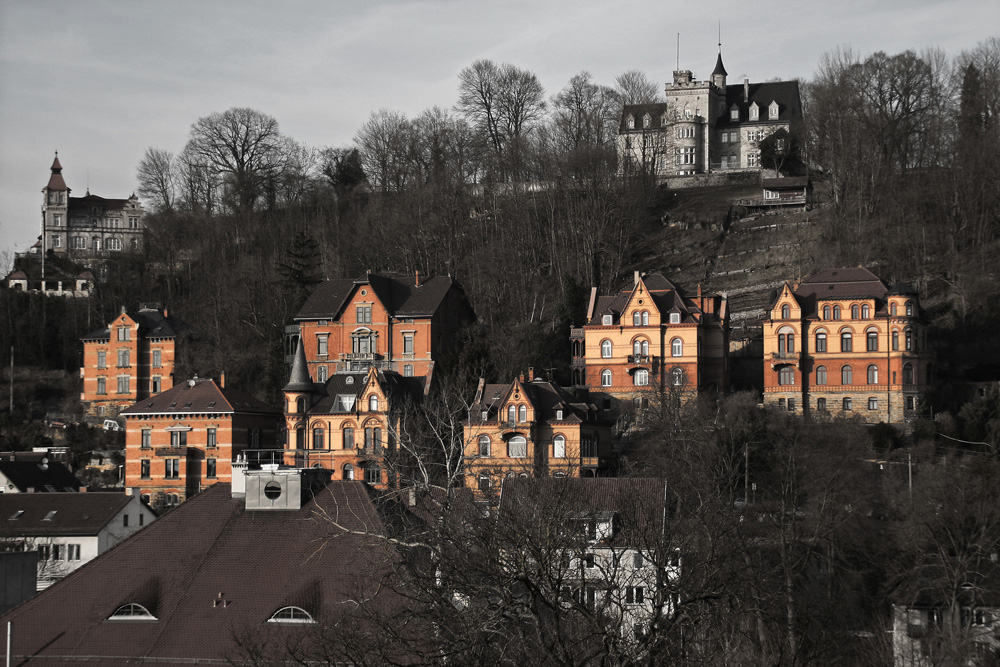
754	112
559	415
646	121
294	615
131	612
734	113
675	318
664	120
630	122
607	320
773	110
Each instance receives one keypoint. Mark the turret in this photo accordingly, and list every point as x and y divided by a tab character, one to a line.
299	396
719	73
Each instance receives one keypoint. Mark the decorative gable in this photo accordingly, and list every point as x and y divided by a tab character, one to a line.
754	111
773	111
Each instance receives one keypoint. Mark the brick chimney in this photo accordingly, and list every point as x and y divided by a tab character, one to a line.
531	373
746	90
417	277
222	380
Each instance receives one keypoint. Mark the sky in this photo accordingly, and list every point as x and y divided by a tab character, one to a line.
102	80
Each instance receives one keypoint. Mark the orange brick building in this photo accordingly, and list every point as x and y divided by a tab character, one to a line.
186	438
651	337
131	359
843	342
349	423
393	323
533	428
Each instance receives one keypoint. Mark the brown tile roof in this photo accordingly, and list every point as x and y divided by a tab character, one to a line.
213	573
842	283
74	513
56	181
152	324
202	396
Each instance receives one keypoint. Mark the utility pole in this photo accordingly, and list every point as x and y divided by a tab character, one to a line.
11	380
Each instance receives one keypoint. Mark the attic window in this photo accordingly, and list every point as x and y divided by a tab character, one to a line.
211	404
16	515
349	379
675	318
291	615
734	113
559	415
607	320
754	112
51	515
772	111
131	612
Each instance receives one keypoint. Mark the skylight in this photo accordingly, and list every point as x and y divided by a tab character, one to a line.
51	515
16	515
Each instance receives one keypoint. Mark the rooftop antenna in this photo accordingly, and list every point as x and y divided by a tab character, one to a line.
678	67
720	36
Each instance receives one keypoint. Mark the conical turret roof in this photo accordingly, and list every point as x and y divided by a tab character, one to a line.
719	68
56	181
300	380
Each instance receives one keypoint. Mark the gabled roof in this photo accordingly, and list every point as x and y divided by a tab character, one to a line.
665	295
201	396
39	476
68	513
787	182
400	296
545	397
785	93
656	110
394	385
640	504
152	324
212	573
85	204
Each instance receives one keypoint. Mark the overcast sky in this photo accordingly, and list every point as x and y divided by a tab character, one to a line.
101	80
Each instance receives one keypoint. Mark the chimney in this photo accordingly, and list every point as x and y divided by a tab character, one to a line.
222	380
635	277
531	373
166	313
746	90
699	289
417	277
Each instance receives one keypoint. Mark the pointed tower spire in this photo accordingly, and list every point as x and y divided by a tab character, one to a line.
719	73
300	380
56	181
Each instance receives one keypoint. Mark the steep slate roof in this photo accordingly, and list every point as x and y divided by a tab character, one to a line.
75	513
352	384
85	204
401	296
152	324
213	573
842	284
27	475
638	111
201	396
544	396
640	503
299	379
665	295
785	93
56	181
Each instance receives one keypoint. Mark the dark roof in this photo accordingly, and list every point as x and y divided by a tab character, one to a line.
202	396
656	111
842	284
90	201
639	503
788	182
299	380
74	513
213	573
32	270
38	476
401	296
719	67
56	181
152	324
545	397
395	386
665	295
785	93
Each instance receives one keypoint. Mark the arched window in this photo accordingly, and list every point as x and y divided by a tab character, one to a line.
348	437
484	445
677	377
908	374
559	447
677	348
872	374
821	341
348	471
871	340
131	612
645	318
786	341
318	440
846	375
373	403
826	312
605	349
786	312
786	375
606	378
821	375
517	447
892	310
909	309
291	615
641	378
865	312
836	312
636	318
637	347
846	344
854	312
300	405
895	339
909	339
512	413
522	413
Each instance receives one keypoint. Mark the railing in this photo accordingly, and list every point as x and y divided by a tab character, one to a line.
576	332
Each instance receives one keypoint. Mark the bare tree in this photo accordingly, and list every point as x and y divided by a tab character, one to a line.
157	179
634	87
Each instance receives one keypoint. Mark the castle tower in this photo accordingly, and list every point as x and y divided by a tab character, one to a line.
55	208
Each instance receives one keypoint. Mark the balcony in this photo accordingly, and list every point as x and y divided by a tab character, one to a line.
576	332
641	359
